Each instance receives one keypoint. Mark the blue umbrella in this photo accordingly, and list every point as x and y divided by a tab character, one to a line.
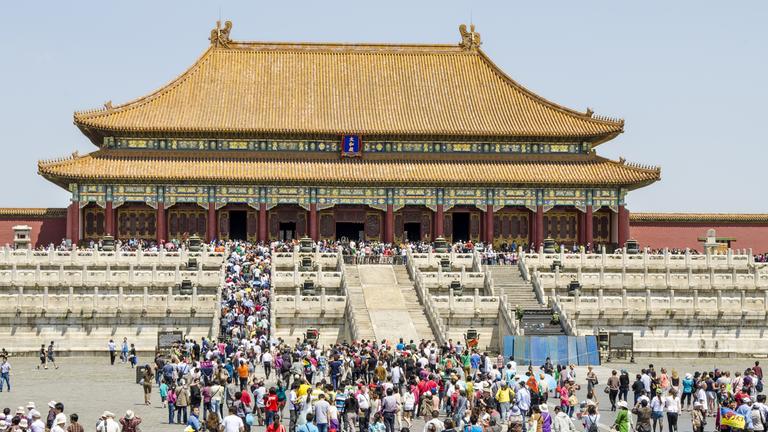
549	381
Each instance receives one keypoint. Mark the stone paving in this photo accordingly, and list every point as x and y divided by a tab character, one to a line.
88	386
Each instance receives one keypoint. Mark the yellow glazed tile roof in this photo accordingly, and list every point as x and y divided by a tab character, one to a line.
34	212
700	217
253	87
112	165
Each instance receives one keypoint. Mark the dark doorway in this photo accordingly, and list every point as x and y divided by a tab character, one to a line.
350	231
287	231
412	231
460	227
238	225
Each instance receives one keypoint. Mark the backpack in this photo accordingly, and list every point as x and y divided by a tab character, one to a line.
592	424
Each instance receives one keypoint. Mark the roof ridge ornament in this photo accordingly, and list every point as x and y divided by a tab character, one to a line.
470	40
220	35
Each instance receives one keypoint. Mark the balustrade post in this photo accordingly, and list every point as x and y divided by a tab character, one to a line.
177	274
624	300
450	302
37	274
96	298
145	299
120	297
600	300
297	299
84	275
667	278
130	274
578	274
45	297
577	299
671	299
695	300
602	277
20	297
323	300
719	294
645	275
154	274
50	256
742	300
647	301
711	277
463	277
168	299
194	296
557	277
70	295
734	277
623	277
108	274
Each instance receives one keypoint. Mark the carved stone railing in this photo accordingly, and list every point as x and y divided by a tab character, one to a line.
82	275
97	257
740	260
430	310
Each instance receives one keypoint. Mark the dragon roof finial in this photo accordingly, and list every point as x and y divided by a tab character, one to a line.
220	35
470	40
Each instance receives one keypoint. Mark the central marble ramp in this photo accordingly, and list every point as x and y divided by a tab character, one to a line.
386	305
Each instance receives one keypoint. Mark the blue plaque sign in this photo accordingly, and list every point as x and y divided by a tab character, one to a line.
351	146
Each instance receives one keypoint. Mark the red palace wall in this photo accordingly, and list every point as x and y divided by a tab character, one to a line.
658	235
45	229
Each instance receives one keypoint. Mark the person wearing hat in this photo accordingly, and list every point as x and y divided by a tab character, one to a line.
698	417
657	411
59	424
108	423
622	422
130	422
37	424
23	423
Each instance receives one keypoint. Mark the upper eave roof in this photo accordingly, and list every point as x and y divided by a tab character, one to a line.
371	89
268	168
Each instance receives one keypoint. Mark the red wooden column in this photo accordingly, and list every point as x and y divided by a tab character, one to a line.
211	231
73	222
313	221
588	218
263	223
109	219
539	226
389	224
623	225
489	223
439	220
162	232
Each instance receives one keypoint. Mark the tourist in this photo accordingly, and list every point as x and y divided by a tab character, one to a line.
124	351
182	402
74	425
698	417
37	424
107	423
112	348
515	420
212	421
146	383
591	418
672	406
130	422
5	373
233	422
309	426
622	422
51	355
657	411
612	386
504	396
171	404
562	422
42	356
194	419
643	412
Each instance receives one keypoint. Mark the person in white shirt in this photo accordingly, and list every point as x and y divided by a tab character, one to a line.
232	423
59	426
672	405
108	423
37	424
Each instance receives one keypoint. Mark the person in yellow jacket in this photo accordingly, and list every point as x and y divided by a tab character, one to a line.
504	396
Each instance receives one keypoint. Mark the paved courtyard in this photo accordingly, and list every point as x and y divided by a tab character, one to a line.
88	386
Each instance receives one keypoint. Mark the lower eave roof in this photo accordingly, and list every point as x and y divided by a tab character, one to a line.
134	166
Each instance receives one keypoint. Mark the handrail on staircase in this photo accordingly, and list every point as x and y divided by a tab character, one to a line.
349	310
425	298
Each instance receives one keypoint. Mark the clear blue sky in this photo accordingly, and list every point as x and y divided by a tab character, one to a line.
688	76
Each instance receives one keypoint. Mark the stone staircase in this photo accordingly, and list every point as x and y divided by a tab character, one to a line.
357	298
415	309
536	320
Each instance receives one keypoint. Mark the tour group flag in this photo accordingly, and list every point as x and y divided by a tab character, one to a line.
729	417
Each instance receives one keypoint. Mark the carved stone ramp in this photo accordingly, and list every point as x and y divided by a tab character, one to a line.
386	305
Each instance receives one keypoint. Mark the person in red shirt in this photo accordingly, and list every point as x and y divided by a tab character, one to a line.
271	407
275	426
